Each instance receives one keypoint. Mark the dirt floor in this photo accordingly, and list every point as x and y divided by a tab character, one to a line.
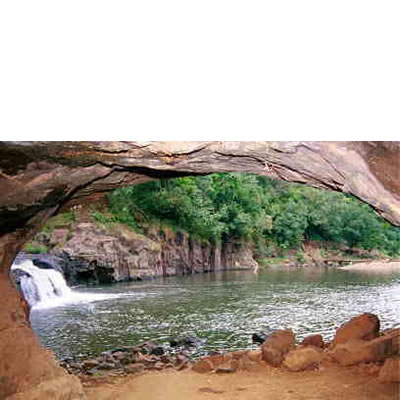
333	383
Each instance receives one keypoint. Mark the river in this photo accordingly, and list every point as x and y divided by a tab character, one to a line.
223	308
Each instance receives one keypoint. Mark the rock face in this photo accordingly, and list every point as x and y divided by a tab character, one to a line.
93	254
277	345
38	178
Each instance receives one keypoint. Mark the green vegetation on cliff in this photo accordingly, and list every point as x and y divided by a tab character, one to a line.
224	207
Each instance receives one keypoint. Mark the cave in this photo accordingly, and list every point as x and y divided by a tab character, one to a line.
38	179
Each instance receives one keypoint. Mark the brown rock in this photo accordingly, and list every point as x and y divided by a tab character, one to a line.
245	364
313	340
159	365
303	358
276	346
359	351
87	364
181	362
180	367
390	372
362	327
227	367
134	368
254	356
216	359
236	355
202	366
120	355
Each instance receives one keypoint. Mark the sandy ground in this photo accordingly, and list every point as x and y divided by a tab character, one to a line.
333	383
375	267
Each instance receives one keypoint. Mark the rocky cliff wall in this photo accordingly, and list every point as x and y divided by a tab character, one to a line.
91	253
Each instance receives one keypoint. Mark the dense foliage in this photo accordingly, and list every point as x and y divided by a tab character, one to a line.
248	207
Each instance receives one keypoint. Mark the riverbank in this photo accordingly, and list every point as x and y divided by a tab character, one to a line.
360	363
375	267
355	364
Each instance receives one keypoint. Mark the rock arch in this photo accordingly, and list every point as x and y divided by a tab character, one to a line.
38	178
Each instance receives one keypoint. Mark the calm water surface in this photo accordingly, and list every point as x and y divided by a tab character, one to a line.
224	308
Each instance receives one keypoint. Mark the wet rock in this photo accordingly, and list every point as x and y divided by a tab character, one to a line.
119	350
313	340
202	366
119	355
158	351
127	360
363	327
259	337
390	371
277	345
166	359
107	365
134	368
187	341
303	358
88	364
92	371
147	347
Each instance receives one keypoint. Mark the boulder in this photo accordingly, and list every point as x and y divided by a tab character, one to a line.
361	351
303	358
107	365
313	340
186	341
390	371
254	356
363	327
88	364
227	367
277	345
202	366
157	351
246	364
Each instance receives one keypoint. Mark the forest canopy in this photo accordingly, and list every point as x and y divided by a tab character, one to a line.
232	206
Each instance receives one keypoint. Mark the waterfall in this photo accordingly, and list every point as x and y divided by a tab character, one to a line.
41	287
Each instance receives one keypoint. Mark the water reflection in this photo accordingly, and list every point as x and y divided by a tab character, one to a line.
224	308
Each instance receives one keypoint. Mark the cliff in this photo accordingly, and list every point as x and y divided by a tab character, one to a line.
92	253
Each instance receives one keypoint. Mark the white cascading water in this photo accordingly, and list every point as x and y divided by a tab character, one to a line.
41	287
46	288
